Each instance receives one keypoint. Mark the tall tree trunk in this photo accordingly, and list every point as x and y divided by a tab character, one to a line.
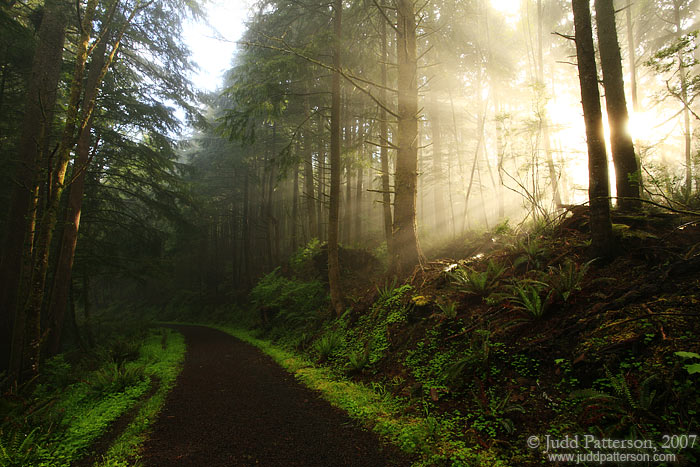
358	202
406	254
333	218
33	333
687	131
544	120
295	209
598	189
501	152
309	187
632	53
321	198
384	149
438	172
73	122
64	264
40	100
348	206
247	244
626	168
87	308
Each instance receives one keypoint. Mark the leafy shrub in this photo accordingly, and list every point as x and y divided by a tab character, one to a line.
296	303
122	351
57	372
475	282
302	259
693	367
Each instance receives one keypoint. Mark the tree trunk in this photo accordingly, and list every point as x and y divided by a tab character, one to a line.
40	100
598	189
247	245
632	52
438	173
544	120
33	335
348	206
333	218
687	131
309	187
69	240
384	149
358	202
321	198
406	254
626	168
295	209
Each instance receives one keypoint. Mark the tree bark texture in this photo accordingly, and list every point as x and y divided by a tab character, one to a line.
384	150
333	216
64	264
626	168
598	189
438	173
40	100
33	337
406	254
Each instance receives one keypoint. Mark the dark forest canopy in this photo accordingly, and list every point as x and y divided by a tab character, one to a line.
397	128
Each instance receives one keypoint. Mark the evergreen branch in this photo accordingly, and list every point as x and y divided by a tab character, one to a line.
386	17
351	79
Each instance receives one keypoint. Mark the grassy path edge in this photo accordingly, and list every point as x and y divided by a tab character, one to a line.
123	451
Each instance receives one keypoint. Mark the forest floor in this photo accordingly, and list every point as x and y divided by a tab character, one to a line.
232	405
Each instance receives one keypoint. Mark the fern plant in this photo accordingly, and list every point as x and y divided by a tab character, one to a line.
567	278
357	361
114	378
530	296
387	290
531	251
627	409
448	310
481	283
19	450
476	359
328	344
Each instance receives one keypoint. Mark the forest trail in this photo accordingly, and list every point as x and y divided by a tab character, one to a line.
232	405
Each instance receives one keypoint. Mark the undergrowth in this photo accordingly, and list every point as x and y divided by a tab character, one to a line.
73	405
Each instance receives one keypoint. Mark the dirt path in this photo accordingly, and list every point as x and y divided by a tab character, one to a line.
232	405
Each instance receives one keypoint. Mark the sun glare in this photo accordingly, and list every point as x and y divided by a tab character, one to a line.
643	125
509	8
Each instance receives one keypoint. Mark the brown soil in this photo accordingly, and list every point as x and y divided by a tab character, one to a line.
232	405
